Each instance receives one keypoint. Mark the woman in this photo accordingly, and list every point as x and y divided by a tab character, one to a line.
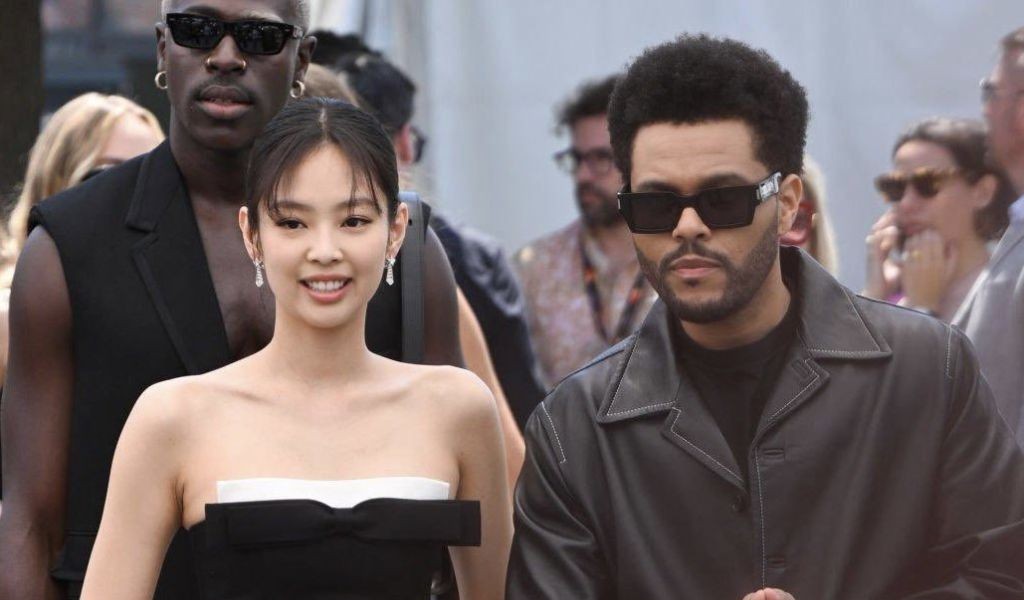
90	133
313	468
947	203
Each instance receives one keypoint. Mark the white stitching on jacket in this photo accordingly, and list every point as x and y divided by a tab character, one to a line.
555	431
696	447
633	410
949	350
760	497
793	399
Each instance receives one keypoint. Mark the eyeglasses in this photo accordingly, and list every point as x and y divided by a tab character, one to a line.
990	90
252	37
600	161
925	181
719	208
419	143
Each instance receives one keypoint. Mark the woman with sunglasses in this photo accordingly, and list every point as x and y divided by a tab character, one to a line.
947	203
313	468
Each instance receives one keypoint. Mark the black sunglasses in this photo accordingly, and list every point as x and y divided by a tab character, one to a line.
419	144
925	181
200	32
719	208
600	160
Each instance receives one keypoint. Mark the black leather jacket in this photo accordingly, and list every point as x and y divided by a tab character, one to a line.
880	469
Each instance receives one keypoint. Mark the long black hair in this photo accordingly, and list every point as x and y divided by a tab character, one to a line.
305	125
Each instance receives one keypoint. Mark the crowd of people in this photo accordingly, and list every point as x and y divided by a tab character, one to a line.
247	360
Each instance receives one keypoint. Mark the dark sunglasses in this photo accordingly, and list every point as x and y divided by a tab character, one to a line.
925	181
252	37
599	161
419	144
719	208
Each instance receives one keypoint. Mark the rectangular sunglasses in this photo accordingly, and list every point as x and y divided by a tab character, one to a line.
718	208
200	32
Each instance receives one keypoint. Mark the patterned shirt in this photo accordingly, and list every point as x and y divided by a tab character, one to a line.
558	308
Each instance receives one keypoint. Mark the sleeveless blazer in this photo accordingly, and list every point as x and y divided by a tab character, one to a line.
143	310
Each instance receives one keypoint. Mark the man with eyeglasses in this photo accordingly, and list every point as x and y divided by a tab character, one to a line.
766	434
584	289
140	275
992	315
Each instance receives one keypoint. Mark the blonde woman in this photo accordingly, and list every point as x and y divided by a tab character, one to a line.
812	229
90	133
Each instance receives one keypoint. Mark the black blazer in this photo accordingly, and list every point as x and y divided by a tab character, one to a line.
143	310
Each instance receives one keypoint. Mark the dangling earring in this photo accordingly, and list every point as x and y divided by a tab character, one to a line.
390	277
160	85
298	94
259	272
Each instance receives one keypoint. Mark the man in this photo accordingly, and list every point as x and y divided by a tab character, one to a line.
992	316
481	269
584	289
766	433
140	275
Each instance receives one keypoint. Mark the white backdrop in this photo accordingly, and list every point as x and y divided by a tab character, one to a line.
491	71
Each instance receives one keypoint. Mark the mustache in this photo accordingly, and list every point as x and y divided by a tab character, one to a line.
586	186
220	81
693	248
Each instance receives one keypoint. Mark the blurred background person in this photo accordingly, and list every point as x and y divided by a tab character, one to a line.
812	229
993	313
322	82
481	270
947	203
583	285
90	133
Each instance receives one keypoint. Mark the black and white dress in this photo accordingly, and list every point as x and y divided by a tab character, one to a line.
364	539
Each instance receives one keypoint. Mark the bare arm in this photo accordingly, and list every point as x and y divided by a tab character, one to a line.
35	422
480	571
143	509
478	360
440	306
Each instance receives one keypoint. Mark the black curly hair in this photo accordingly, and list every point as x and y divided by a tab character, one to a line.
697	78
590	100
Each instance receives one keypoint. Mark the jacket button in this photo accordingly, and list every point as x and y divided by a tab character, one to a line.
739	503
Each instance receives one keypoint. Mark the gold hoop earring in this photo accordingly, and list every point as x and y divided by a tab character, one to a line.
160	85
301	92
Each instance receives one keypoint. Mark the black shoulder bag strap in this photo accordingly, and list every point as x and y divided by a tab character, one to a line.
412	279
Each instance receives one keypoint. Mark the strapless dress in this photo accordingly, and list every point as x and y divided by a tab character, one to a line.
369	539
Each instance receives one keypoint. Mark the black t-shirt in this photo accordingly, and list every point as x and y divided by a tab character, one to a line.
735	384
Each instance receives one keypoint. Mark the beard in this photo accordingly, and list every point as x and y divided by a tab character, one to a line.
741	282
602	212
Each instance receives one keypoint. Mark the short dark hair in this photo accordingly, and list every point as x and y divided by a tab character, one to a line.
383	88
590	100
1013	40
697	78
305	125
967	141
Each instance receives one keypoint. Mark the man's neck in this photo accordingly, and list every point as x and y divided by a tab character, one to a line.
615	242
211	175
751	323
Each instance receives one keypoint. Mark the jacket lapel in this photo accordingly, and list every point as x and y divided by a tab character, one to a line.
1013	236
173	266
649	382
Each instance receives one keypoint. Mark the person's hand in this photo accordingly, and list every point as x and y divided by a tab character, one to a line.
882	273
927	271
769	594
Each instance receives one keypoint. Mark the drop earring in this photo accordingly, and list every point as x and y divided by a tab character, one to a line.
390	277
259	272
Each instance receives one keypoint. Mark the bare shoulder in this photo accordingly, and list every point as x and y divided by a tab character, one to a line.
454	392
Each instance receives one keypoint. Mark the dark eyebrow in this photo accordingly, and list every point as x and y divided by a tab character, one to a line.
711	182
350	204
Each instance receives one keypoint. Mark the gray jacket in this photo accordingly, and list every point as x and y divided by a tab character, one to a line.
992	316
880	470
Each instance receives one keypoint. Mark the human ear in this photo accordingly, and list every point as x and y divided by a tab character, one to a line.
791	192
251	238
984	191
305	55
396	231
161	45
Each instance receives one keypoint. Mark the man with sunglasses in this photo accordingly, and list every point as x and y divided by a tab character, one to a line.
766	434
584	289
992	315
140	275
